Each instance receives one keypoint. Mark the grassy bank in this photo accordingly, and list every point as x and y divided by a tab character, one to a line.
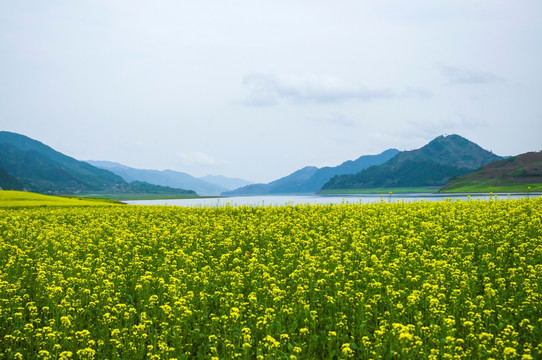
481	187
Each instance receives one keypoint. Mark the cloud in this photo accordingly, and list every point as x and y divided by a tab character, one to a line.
336	119
196	159
460	124
268	90
458	75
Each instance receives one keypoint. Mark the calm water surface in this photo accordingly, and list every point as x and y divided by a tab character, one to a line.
268	200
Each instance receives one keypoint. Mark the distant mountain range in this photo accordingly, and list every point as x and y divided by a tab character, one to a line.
209	185
27	164
432	165
516	172
452	163
310	179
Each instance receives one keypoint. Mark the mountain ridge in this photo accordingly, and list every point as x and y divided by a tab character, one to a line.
27	164
429	166
168	177
227	182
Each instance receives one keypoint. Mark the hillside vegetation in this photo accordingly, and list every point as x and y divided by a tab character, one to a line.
520	173
9	182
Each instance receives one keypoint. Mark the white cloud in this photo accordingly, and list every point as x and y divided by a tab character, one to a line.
460	123
417	92
334	119
459	75
269	89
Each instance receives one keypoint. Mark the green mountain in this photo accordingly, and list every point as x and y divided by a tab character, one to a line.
430	166
310	179
39	168
516	173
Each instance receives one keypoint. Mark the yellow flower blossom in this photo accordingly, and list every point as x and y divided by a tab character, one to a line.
446	279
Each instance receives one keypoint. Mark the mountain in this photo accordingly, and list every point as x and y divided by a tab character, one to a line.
39	168
516	173
170	178
226	182
430	166
310	179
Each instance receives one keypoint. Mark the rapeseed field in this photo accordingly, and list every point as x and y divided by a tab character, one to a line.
17	199
424	280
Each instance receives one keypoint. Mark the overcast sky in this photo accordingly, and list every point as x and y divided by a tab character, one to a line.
259	89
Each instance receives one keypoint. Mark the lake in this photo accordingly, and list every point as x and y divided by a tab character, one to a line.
270	200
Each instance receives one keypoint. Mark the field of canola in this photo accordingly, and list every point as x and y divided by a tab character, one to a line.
442	280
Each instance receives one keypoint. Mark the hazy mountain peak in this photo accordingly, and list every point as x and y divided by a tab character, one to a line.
226	182
171	178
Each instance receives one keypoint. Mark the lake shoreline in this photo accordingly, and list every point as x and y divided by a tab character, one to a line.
280	200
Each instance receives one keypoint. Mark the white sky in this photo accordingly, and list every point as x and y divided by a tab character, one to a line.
258	89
